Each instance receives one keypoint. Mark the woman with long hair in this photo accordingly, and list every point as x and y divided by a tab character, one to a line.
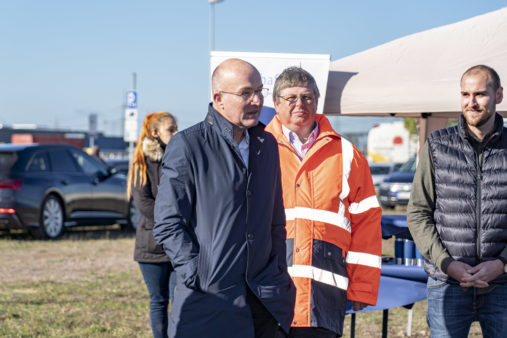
142	184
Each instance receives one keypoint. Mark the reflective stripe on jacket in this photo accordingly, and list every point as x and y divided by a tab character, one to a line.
333	227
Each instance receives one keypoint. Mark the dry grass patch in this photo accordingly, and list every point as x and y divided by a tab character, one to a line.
77	255
87	285
84	285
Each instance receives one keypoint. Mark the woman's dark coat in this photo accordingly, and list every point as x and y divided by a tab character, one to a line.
146	248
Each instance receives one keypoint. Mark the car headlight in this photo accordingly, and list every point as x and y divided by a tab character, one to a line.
397	187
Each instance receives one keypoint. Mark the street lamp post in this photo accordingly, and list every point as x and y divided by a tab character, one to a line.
212	23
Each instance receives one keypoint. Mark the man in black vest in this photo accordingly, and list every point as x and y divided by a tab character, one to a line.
457	213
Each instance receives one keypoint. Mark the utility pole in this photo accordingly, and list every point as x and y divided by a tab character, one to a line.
212	23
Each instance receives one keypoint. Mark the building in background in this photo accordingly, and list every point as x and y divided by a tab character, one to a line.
391	142
110	146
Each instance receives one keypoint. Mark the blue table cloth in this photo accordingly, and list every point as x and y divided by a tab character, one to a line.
413	273
399	286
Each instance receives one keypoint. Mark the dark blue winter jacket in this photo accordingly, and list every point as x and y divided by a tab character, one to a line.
223	227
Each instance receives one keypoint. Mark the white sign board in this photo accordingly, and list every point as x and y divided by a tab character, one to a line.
130	130
270	65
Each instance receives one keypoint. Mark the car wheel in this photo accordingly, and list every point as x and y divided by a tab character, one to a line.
133	217
51	219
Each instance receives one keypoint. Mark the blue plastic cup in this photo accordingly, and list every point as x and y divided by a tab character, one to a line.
409	252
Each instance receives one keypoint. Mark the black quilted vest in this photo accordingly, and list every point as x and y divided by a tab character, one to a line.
471	202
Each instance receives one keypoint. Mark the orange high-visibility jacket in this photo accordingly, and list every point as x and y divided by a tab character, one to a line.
334	243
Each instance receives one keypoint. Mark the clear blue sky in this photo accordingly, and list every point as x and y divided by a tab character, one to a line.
62	60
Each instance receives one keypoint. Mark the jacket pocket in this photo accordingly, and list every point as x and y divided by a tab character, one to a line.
329	257
188	274
151	244
273	281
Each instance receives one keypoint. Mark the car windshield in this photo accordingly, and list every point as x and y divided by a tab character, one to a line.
379	170
88	164
120	165
409	166
7	160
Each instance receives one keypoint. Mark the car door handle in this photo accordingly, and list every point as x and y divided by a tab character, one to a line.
64	182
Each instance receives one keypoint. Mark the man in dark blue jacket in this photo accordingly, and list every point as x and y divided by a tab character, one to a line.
219	215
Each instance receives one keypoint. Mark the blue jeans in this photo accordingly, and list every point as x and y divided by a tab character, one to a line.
160	280
452	309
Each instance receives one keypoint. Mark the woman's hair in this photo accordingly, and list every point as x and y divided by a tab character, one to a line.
137	172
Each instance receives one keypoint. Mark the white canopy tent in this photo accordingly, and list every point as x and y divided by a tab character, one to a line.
418	75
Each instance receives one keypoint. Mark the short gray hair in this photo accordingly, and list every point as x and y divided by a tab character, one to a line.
294	77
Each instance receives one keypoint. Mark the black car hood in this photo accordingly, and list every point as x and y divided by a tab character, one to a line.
399	177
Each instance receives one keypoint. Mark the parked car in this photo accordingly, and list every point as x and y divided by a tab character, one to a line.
395	188
380	170
45	188
120	164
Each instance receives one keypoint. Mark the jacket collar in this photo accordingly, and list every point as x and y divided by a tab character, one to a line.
218	122
494	135
153	149
325	129
225	128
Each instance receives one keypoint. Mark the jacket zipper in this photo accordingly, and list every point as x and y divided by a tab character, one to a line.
478	208
479	155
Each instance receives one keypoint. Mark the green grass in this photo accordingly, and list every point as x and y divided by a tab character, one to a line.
108	305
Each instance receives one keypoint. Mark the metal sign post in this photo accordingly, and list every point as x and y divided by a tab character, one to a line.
92	129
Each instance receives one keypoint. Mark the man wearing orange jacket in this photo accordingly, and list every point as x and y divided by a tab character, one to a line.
333	217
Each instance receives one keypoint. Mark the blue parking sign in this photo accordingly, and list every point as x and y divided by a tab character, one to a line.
131	99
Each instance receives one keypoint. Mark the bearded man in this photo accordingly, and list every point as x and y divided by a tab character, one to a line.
457	213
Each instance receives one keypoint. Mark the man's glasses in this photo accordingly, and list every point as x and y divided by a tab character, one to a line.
293	99
248	93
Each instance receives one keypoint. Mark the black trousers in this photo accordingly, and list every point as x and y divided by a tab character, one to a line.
265	324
